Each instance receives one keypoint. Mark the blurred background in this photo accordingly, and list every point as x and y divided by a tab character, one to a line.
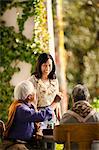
68	29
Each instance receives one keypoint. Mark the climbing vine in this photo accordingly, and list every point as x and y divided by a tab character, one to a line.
15	46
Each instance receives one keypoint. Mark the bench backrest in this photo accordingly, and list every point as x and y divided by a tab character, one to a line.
81	133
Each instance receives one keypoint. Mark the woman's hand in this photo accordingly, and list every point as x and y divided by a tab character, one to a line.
57	99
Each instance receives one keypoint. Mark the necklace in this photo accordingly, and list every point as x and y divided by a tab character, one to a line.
46	82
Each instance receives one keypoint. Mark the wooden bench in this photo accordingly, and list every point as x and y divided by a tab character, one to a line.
81	133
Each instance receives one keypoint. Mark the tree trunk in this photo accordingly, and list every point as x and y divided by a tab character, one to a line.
61	56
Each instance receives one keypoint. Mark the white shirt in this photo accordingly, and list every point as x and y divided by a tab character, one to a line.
46	91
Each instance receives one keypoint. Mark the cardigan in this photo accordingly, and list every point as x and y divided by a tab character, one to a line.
23	124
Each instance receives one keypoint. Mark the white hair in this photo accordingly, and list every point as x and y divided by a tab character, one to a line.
23	89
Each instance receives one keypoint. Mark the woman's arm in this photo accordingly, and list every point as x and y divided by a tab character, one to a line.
57	99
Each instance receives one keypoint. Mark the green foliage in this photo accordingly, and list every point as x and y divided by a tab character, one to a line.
40	20
3	5
81	29
95	104
15	47
27	11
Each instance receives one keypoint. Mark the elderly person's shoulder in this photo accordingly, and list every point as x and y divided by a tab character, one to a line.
25	107
96	116
67	118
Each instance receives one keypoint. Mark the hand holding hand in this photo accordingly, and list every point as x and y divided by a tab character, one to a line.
58	97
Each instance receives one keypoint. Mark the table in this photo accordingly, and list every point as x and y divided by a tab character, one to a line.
48	139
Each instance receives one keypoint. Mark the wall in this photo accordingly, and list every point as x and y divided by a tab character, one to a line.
10	18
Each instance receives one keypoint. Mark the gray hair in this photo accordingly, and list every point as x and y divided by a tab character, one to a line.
23	89
80	92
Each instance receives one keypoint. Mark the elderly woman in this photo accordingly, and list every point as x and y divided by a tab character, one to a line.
81	110
23	114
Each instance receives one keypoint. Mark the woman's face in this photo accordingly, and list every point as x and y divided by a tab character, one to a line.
46	68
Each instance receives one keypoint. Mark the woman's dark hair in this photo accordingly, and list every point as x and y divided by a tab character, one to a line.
43	59
80	92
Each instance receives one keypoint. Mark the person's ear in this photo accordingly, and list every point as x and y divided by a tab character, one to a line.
30	97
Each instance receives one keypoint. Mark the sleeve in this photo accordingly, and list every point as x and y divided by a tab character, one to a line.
30	115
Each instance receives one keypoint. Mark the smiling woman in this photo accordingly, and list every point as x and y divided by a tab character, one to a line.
46	69
45	81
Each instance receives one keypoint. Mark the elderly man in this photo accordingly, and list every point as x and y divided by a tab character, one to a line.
81	110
